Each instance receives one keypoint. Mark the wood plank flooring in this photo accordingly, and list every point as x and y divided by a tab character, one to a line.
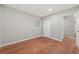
42	45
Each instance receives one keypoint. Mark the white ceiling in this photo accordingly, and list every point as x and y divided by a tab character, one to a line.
41	10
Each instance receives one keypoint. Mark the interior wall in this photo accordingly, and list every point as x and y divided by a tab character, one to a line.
70	25
18	25
56	18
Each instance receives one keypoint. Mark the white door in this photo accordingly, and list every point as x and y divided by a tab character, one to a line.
69	25
47	28
57	28
77	29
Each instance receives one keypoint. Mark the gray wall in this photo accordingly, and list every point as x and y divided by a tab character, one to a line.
18	25
56	19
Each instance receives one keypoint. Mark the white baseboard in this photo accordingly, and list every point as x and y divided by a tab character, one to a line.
56	39
27	39
18	41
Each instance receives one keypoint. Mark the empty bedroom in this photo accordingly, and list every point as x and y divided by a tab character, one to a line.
39	29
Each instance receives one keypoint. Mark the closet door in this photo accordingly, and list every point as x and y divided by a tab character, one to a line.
77	29
47	28
57	28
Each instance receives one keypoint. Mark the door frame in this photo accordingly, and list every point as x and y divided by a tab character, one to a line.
76	15
64	21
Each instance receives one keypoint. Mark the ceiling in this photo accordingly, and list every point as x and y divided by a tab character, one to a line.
41	10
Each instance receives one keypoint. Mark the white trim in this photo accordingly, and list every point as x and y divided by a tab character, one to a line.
57	39
17	41
77	44
54	38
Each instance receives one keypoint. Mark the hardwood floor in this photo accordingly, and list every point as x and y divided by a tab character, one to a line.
42	45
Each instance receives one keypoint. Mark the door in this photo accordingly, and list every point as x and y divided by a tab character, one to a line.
77	29
47	28
69	26
57	28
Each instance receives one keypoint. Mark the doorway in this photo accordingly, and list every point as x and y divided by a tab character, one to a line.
69	26
47	28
